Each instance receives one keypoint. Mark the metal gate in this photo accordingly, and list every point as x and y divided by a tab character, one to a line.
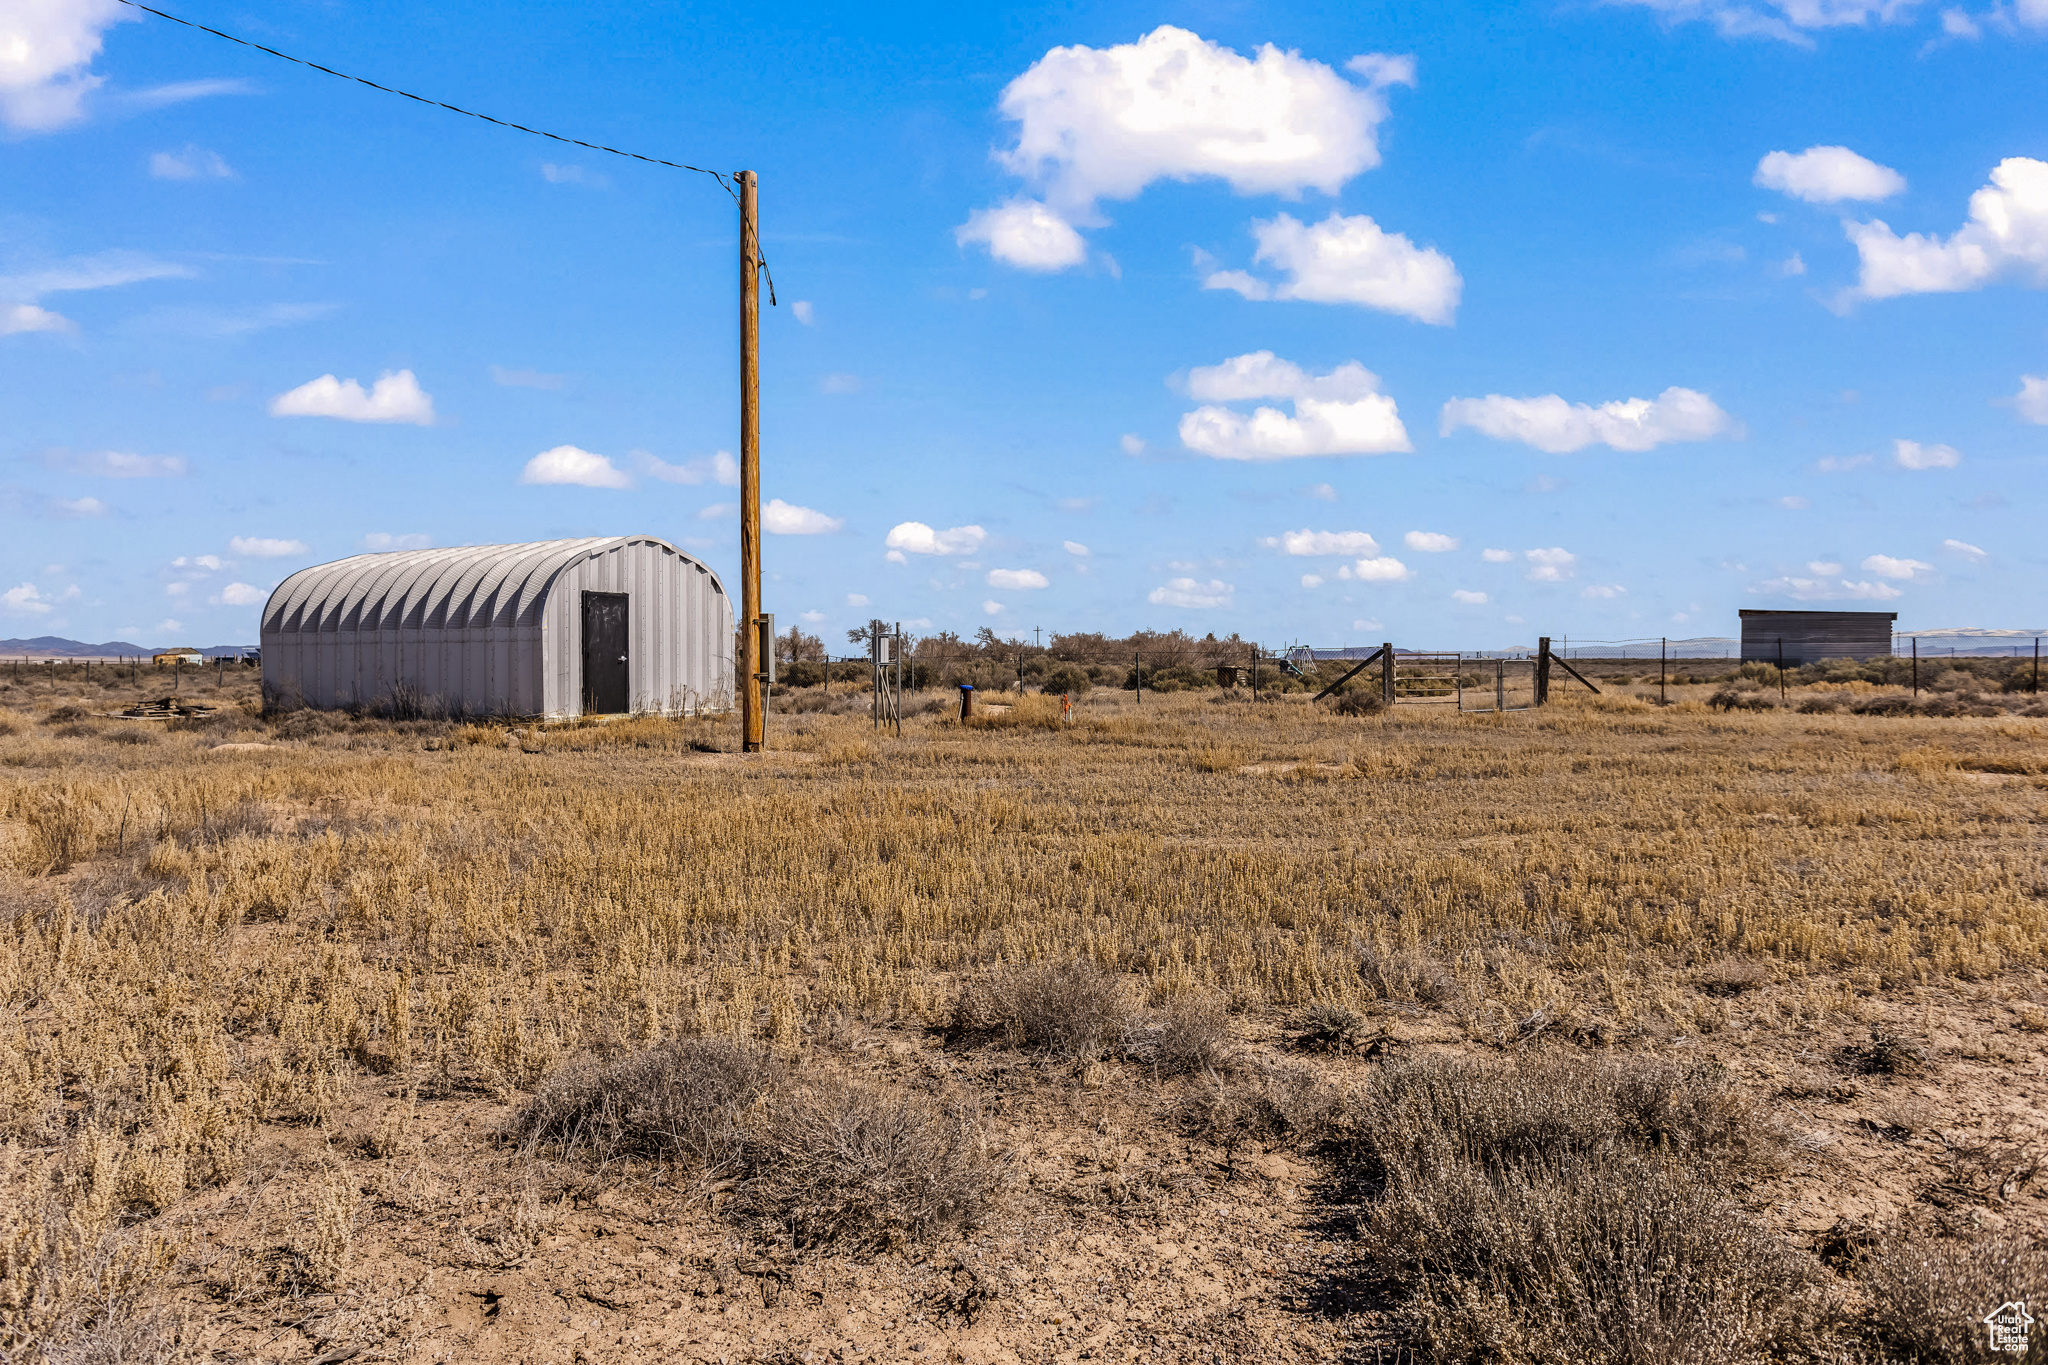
1497	684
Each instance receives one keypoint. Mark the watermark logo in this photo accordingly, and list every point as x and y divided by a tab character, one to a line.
2008	1325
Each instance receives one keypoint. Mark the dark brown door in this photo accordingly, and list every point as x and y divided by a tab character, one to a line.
604	654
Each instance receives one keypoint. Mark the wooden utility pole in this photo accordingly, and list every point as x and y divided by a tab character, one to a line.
753	717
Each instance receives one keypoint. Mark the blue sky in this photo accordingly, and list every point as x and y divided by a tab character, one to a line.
1448	325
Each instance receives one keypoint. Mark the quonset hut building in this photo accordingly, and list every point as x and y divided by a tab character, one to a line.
557	628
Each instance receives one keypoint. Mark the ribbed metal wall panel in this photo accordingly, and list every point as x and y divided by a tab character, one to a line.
1810	636
498	629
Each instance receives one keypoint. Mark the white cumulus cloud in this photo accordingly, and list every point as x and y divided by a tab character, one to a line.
1430	542
242	595
991	607
1348	260
779	518
1553	565
1311	580
1884	566
1026	234
261	547
914	537
803	312
2031	402
1075	548
1963	548
1017	579
1339	413
1913	455
1603	590
25	600
574	465
1840	464
18	318
81	507
45	48
1131	443
718	467
855	599
394	397
1828	175
1103	123
379	541
1307	542
2007	235
1497	556
1827	589
1468	597
1374	569
1551	424
1187	592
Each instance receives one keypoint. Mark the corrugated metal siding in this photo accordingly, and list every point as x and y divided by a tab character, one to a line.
497	629
1811	636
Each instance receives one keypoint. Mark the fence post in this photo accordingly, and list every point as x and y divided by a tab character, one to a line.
1663	695
1500	684
1387	672
1138	674
1781	668
1543	670
1916	665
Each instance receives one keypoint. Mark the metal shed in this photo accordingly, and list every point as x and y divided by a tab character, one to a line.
556	628
1810	636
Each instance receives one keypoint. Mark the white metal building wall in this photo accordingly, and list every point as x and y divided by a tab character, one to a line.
497	629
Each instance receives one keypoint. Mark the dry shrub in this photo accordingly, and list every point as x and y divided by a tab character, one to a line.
1541	1210
63	828
1405	974
679	1100
1191	1034
1073	1011
866	1165
1929	1295
129	734
68	1295
1886	1054
1268	1105
1330	1027
1734	699
66	714
142	1337
1359	701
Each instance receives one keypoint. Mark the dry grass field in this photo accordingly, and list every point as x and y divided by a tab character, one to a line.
1195	1029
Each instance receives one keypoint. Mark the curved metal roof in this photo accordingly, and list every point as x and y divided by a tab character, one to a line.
471	586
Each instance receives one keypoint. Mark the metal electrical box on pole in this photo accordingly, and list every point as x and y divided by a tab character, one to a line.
754	659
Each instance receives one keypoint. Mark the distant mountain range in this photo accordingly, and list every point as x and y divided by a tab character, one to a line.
56	647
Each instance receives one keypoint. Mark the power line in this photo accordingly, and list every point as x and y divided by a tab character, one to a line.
724	181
